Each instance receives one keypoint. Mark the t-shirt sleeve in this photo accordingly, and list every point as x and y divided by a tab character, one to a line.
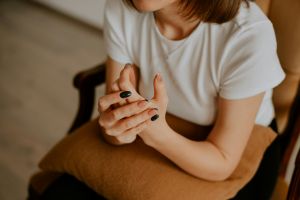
251	65
113	30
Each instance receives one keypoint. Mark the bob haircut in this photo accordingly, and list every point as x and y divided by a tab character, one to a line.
216	11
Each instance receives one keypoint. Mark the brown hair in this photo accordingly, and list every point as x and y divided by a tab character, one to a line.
212	11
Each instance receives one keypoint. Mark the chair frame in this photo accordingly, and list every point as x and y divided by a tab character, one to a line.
87	80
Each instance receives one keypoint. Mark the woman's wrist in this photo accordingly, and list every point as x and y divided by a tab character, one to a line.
157	135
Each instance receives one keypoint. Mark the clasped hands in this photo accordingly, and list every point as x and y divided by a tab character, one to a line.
125	114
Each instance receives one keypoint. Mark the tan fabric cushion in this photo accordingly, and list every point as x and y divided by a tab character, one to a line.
137	171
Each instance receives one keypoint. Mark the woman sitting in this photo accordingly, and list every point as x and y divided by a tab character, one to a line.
199	63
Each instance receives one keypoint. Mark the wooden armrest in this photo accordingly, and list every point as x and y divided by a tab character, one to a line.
294	189
91	77
289	136
85	82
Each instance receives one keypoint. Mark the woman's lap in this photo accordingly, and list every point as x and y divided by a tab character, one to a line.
68	187
259	188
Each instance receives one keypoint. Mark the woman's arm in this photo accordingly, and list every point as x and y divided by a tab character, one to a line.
217	157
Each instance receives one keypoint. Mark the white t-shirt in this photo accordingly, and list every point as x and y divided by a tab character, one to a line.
233	60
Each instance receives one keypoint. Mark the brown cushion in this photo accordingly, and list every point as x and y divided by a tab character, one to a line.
137	171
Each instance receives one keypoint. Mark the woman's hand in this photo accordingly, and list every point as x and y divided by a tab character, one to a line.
115	122
159	101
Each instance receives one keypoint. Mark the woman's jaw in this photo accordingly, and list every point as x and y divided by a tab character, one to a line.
153	5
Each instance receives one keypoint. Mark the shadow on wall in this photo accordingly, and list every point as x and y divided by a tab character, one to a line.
88	11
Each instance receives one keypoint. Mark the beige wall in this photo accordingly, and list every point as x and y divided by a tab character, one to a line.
88	11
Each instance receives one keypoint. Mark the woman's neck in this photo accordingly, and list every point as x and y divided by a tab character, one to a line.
172	25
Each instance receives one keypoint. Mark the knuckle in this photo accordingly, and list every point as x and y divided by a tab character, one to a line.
115	87
100	101
126	138
138	129
165	101
133	108
148	122
127	124
145	115
121	139
108	131
115	115
101	122
123	84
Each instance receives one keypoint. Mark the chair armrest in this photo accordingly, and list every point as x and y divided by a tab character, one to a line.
294	189
289	136
85	82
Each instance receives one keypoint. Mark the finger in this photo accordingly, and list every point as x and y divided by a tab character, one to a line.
121	112
107	100
131	75
116	105
124	80
160	92
133	121
129	136
115	88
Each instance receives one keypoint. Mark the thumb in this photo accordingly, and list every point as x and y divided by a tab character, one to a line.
132	77
159	87
127	78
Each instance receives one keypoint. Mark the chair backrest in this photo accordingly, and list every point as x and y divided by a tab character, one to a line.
285	16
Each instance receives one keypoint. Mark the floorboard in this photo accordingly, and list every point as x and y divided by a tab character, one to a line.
40	52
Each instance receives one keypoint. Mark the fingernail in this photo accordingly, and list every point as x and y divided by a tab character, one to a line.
159	77
155	117
128	64
125	94
152	112
143	103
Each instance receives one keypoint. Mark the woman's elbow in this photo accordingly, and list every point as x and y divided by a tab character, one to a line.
221	173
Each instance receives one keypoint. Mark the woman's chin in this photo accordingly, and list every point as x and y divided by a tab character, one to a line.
146	5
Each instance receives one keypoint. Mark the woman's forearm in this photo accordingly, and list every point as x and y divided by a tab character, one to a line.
199	158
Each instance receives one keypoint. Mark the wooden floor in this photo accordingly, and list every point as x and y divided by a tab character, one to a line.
40	52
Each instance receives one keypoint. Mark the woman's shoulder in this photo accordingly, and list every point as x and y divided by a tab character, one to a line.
250	27
249	16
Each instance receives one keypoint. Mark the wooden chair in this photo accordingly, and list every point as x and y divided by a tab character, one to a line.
285	17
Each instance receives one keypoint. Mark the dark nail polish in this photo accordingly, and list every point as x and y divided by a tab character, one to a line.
128	64
155	109
125	94
154	117
146	100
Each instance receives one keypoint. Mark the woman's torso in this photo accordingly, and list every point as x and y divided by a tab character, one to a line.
193	69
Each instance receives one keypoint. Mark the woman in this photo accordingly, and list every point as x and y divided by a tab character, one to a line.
219	64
